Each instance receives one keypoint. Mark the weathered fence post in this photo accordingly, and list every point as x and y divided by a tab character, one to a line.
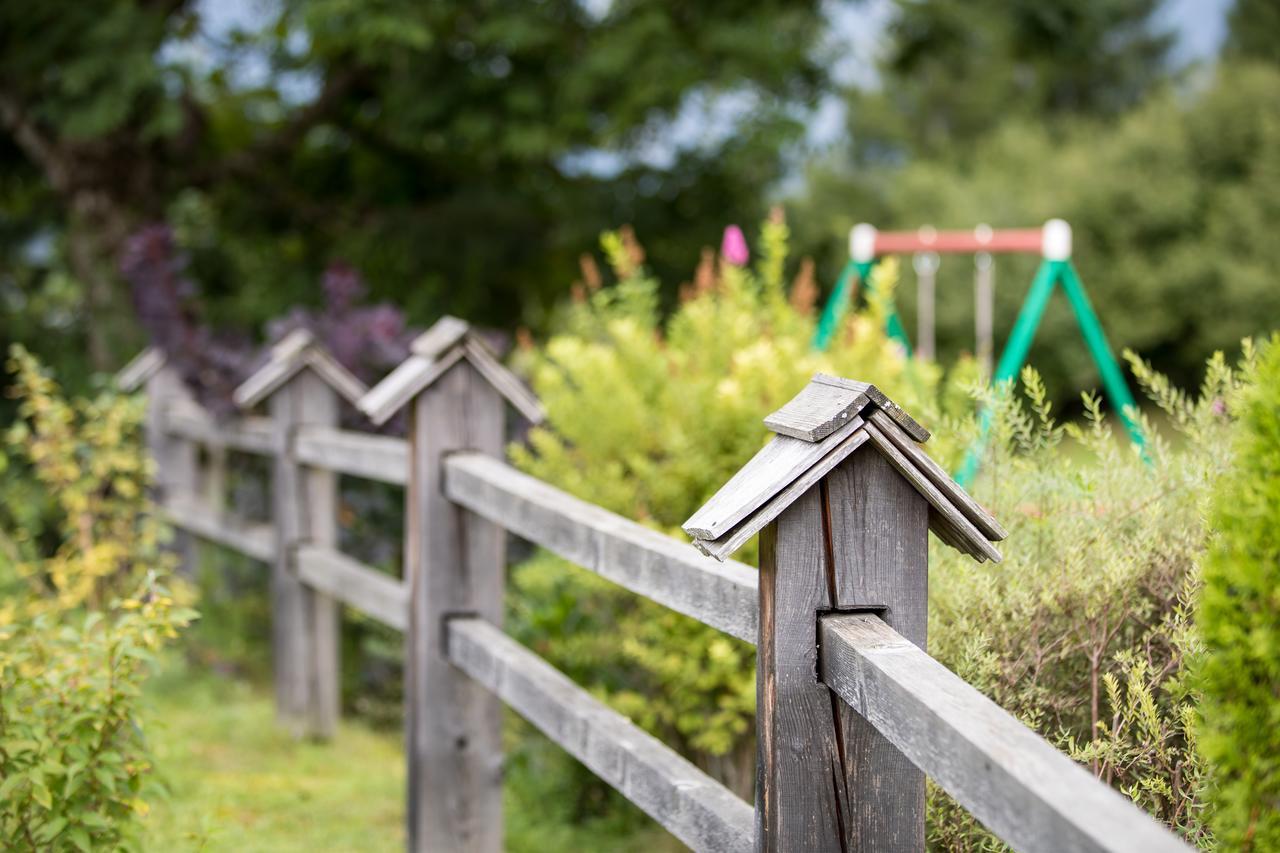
175	458
843	527
454	565
302	385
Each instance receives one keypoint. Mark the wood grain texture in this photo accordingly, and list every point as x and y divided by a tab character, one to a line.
817	411
455	562
401	385
754	523
644	561
689	804
883	403
772	469
974	511
353	583
827	780
443	334
176	459
297	351
1021	788
318	501
256	541
188	420
880	555
507	383
382	458
961	531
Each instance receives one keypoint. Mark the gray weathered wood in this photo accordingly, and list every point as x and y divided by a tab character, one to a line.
303	621
772	469
442	335
644	561
974	543
402	384
134	375
826	780
455	563
175	458
754	523
256	541
186	419
319	501
1020	787
692	806
817	411
508	384
353	583
383	458
297	351
881	402
983	520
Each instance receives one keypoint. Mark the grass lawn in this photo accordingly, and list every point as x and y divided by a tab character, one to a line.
234	781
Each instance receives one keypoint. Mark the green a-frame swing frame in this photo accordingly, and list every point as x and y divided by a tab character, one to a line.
1053	243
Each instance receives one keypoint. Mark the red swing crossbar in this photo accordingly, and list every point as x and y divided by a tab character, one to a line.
1052	241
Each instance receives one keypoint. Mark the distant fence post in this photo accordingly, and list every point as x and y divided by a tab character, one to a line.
454	566
175	458
301	385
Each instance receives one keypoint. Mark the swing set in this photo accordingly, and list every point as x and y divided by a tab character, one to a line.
1051	242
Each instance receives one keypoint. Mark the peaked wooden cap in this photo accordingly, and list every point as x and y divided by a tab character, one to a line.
297	351
817	430
436	350
140	368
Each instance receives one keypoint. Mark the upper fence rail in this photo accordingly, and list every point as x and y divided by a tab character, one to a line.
1017	784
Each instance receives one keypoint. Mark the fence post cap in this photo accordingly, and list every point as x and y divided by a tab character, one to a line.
140	368
827	421
432	354
297	351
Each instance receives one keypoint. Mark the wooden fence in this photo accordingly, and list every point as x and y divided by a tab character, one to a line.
852	712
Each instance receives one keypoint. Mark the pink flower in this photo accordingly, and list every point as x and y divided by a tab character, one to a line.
733	248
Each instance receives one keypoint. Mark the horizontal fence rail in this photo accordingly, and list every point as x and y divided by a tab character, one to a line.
1016	783
253	540
368	590
381	458
248	434
690	804
843	538
670	572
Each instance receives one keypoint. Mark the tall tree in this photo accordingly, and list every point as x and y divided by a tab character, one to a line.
437	146
954	69
1253	30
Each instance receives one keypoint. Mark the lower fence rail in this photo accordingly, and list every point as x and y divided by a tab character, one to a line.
690	804
1017	784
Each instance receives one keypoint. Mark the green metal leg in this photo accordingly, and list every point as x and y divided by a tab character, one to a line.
838	305
1112	377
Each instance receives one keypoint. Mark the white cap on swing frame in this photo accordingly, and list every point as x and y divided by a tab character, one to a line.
1055	241
862	243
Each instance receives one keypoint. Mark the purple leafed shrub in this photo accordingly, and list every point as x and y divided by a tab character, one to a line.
368	340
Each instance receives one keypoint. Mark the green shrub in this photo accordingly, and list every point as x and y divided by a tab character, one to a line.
79	622
1082	631
648	419
1239	616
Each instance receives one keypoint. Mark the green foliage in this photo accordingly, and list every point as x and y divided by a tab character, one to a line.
1239	616
647	419
951	70
1082	631
79	624
1171	205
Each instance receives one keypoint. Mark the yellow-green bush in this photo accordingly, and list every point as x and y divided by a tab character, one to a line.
1082	631
1239	623
79	621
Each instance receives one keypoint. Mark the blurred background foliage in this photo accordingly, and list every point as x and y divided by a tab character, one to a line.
461	156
